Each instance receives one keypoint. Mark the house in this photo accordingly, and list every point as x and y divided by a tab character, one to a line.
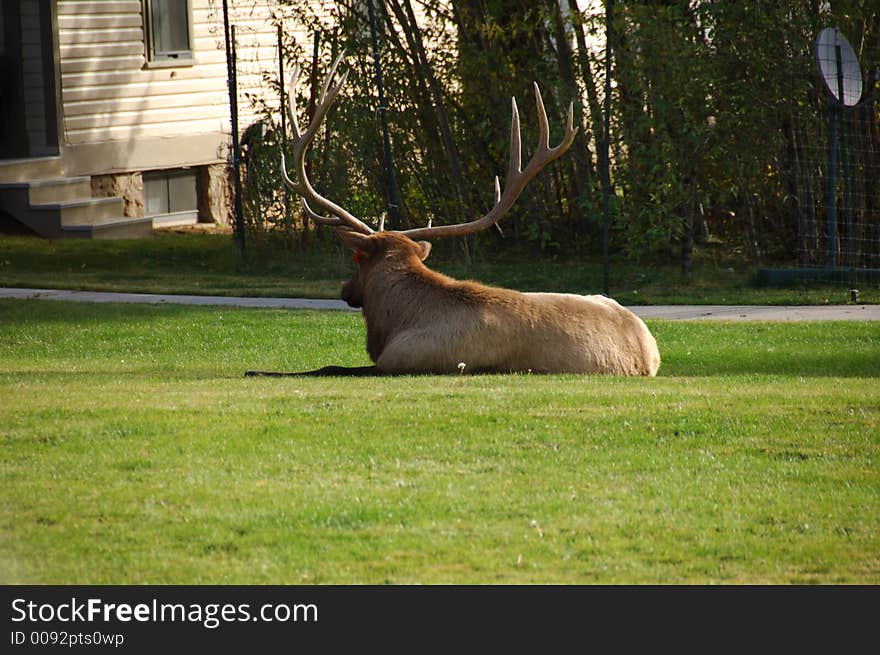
114	114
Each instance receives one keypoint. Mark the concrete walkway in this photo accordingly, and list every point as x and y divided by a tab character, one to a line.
670	312
171	299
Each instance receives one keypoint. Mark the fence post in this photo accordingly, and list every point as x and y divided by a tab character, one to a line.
393	207
232	83
288	219
606	140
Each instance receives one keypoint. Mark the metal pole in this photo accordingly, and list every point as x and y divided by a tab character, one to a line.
833	110
606	140
393	207
832	184
232	83
310	114
831	213
281	88
283	141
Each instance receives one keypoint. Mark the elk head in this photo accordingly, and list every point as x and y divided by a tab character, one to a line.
389	250
372	248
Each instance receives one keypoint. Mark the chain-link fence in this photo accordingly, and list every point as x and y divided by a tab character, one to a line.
833	163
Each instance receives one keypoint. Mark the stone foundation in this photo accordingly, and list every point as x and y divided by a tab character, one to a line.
215	194
213	186
128	186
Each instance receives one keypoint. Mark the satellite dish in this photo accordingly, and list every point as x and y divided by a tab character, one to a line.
839	66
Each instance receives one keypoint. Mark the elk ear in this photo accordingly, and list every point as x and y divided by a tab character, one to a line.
425	247
356	241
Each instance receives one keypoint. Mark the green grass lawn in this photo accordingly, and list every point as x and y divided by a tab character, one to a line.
133	451
209	264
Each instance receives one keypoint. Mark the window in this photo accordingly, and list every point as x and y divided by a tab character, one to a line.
169	34
170	197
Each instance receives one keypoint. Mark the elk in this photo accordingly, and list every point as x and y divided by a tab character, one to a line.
419	321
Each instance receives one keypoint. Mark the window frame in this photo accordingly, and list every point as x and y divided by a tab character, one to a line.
177	58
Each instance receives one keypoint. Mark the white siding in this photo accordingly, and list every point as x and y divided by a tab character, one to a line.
257	40
110	94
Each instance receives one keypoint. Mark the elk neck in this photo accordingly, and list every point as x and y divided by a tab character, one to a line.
403	294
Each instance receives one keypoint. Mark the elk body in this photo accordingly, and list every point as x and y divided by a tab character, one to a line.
419	321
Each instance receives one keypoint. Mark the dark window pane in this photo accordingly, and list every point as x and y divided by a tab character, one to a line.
156	194
169	192
182	192
170	26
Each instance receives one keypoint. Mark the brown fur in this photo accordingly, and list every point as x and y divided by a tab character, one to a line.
419	321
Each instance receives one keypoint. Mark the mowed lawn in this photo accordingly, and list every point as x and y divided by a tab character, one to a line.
133	451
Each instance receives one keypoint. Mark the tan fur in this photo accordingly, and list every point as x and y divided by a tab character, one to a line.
419	321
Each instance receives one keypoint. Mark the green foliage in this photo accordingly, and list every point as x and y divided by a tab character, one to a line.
132	451
715	106
443	176
718	108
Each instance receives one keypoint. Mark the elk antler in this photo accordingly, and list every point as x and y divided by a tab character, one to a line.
516	178
301	143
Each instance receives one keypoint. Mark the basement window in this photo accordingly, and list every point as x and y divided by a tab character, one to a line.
168	25
170	197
